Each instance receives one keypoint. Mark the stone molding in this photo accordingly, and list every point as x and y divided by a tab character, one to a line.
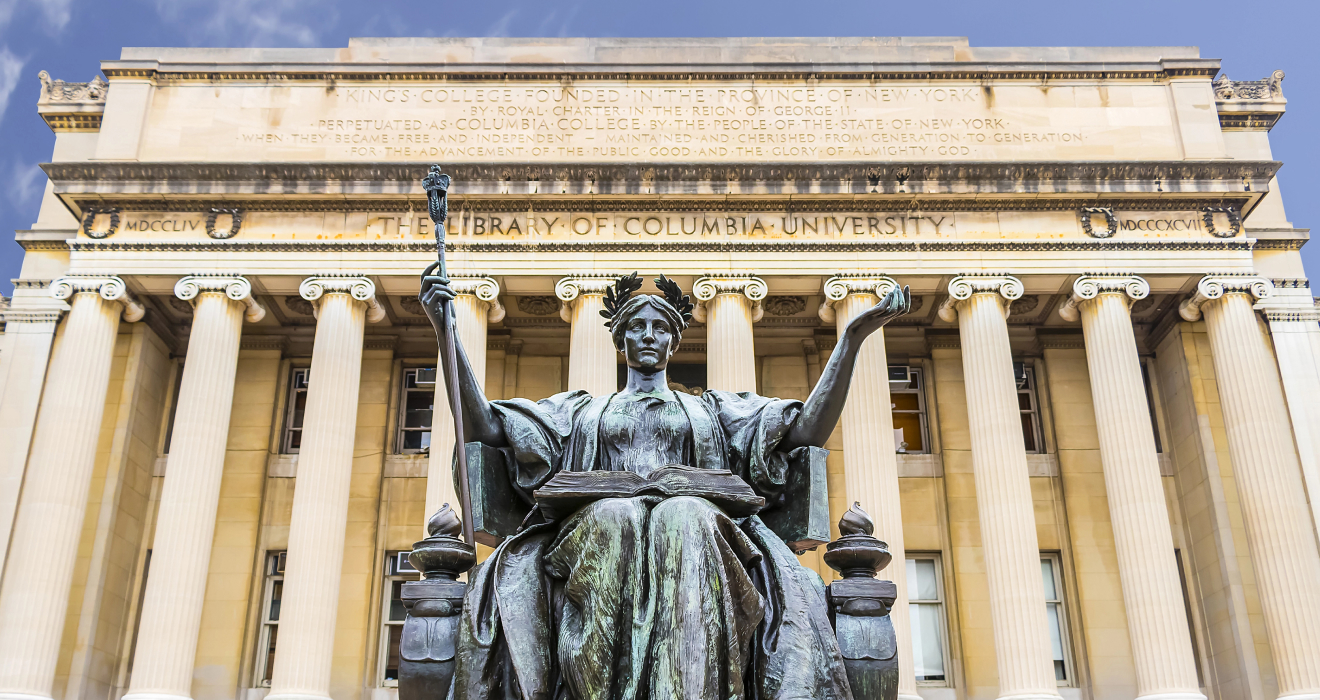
235	287
360	288
1091	285
708	286
1216	285
484	288
1285	315
264	342
421	246
109	287
9	314
568	289
962	287
838	287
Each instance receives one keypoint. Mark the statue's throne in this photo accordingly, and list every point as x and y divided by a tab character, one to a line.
859	603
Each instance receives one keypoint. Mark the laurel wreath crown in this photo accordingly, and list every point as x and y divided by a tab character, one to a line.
617	297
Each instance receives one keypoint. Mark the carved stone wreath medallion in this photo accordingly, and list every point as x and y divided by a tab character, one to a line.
1024	305
538	305
412	305
785	305
1234	221
89	220
236	223
1111	222
298	305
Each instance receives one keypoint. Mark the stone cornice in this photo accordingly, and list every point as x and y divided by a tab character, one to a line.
1240	245
1216	285
229	180
9	314
1286	315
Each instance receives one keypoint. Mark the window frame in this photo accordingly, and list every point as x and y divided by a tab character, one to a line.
393	573
1032	390
274	572
402	421
941	604
922	411
1061	600
290	402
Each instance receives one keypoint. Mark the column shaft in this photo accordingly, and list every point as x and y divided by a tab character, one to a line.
44	547
1143	539
592	359
28	358
1295	349
1268	476
470	318
1003	501
730	351
870	468
320	503
185	524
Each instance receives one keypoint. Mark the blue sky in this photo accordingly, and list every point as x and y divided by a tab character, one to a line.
69	38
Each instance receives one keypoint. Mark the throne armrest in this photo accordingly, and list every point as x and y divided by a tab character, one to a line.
497	508
802	519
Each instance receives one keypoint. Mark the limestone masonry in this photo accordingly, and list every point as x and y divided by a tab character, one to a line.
1093	447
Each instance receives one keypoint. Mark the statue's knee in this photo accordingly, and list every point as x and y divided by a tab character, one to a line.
625	514
682	510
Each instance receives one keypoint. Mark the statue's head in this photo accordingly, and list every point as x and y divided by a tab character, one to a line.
646	328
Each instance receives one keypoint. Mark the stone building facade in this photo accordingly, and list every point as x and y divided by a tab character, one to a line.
1090	446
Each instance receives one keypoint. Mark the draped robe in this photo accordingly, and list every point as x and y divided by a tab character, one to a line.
631	599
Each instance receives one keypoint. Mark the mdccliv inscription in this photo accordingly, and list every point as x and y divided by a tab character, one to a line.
644	540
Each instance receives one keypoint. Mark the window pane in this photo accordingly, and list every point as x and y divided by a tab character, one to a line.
910	424
905	402
1056	641
1029	432
413	439
270	655
921	580
397	611
392	655
417	412
1024	400
276	595
1047	576
295	439
927	641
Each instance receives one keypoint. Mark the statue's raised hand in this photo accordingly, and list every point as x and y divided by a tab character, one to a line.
436	292
895	304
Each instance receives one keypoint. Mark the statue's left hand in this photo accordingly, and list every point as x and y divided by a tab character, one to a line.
895	304
436	291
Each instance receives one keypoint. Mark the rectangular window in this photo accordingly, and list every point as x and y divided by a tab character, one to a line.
1187	608
297	408
174	407
926	610
1052	578
1029	405
909	407
397	571
416	409
272	594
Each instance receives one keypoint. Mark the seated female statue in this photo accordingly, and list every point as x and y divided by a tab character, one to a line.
631	598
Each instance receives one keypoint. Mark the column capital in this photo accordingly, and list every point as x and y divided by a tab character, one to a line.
962	287
484	288
109	287
356	286
568	289
1093	284
750	286
1216	285
236	287
838	287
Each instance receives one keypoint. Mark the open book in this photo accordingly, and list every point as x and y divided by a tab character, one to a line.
568	491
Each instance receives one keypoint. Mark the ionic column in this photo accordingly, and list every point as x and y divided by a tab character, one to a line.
185	523
730	304
870	462
1296	334
476	304
1003	488
1143	539
592	358
1268	476
44	545
320	500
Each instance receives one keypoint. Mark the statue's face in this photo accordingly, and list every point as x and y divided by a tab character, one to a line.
648	339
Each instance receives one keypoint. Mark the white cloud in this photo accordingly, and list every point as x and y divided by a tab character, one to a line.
501	25
56	12
248	22
26	182
11	67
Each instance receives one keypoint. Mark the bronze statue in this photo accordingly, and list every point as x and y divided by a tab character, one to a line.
678	591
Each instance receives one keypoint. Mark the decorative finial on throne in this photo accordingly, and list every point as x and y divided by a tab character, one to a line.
443	555
856	554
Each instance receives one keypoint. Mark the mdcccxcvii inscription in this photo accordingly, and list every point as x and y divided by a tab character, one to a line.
619	121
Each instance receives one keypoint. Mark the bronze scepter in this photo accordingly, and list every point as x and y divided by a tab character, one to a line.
436	185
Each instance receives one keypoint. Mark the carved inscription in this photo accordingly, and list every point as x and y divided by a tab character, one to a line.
617	121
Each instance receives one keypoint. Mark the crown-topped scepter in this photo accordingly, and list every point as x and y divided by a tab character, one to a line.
436	185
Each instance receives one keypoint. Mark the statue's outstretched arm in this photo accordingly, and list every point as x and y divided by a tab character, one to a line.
823	407
480	423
